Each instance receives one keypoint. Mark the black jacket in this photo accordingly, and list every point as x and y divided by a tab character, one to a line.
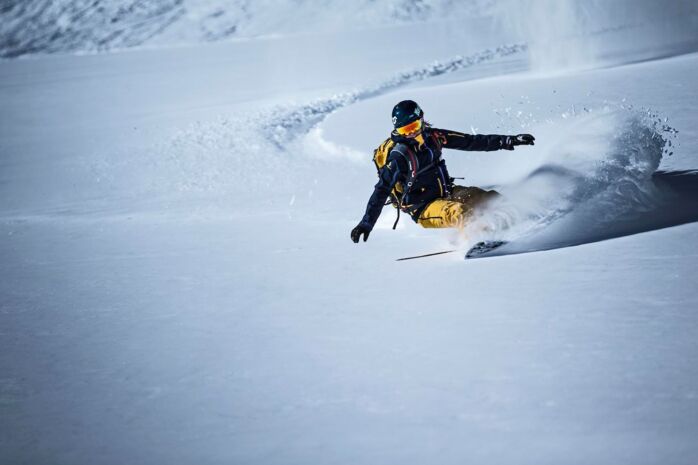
423	168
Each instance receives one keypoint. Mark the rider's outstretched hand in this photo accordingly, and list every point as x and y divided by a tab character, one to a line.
519	139
524	139
360	229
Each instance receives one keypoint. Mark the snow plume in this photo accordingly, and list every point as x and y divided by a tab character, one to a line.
598	173
568	34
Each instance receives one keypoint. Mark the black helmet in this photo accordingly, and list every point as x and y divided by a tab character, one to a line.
406	112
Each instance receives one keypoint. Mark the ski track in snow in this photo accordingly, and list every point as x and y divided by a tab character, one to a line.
206	156
291	122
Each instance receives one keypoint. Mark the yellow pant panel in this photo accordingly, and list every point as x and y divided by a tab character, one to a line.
443	214
454	212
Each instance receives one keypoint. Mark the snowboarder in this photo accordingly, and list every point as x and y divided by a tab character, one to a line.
413	175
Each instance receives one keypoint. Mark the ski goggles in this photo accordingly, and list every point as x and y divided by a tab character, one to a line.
411	128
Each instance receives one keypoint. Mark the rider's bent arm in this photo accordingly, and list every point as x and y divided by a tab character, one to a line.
480	142
387	177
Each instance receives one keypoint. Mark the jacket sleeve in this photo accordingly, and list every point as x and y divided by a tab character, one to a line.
481	142
387	177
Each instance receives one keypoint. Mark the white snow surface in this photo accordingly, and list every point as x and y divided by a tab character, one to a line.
178	284
30	27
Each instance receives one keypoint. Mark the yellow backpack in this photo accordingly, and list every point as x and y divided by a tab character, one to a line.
380	156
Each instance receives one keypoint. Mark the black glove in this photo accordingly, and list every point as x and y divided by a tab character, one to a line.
360	229
524	139
521	139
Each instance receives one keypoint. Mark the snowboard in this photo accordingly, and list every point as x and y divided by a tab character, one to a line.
482	248
478	250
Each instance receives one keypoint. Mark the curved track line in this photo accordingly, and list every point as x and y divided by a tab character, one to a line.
300	119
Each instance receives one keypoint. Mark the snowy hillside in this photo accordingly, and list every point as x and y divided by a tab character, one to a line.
179	286
562	32
50	26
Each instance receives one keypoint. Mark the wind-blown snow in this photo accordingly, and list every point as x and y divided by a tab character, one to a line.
572	34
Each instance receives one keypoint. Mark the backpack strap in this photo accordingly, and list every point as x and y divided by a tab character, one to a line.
413	165
412	162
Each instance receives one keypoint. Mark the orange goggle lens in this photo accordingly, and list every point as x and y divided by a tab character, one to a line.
411	128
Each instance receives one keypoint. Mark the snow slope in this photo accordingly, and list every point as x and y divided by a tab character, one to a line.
179	285
562	33
29	27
